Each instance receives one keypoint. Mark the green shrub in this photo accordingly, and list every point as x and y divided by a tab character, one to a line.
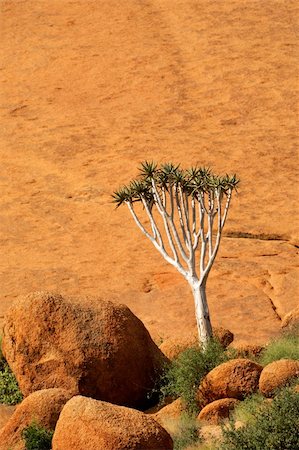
10	393
37	437
286	346
246	410
275	426
187	433
182	377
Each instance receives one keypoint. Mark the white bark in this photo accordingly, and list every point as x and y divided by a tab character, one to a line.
195	226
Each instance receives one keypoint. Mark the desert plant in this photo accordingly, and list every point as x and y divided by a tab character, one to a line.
245	411
186	433
10	393
183	375
283	347
275	426
188	203
37	437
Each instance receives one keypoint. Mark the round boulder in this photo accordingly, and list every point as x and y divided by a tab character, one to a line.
276	375
42	407
218	410
88	424
89	346
236	378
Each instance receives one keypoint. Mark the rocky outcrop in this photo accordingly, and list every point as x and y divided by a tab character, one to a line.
42	407
87	424
278	374
218	410
236	378
88	346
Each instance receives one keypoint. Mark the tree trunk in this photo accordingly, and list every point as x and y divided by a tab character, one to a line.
203	321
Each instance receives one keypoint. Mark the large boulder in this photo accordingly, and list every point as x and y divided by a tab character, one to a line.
89	346
88	424
236	378
218	410
276	375
42	407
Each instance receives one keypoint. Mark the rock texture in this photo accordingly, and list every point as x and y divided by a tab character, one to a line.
277	374
96	348
87	424
247	350
6	411
218	410
291	320
140	81
171	411
43	407
233	379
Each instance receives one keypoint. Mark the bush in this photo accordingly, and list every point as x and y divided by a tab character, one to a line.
182	377
246	410
37	438
187	432
10	393
275	426
284	347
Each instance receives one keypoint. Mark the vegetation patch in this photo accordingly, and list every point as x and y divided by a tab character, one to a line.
182	377
187	433
10	393
273	426
37	437
284	347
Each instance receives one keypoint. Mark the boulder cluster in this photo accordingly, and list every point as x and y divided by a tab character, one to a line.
87	369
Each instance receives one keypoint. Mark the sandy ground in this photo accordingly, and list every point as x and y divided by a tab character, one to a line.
89	88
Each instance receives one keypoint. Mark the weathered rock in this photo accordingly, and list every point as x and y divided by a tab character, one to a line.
88	424
291	320
42	407
89	346
236	378
6	411
172	347
224	336
171	411
218	410
277	374
247	350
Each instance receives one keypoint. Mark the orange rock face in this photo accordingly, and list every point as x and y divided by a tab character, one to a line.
42	407
277	374
87	424
99	349
218	410
233	379
88	90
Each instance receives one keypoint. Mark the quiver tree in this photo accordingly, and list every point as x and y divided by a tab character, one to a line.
183	214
